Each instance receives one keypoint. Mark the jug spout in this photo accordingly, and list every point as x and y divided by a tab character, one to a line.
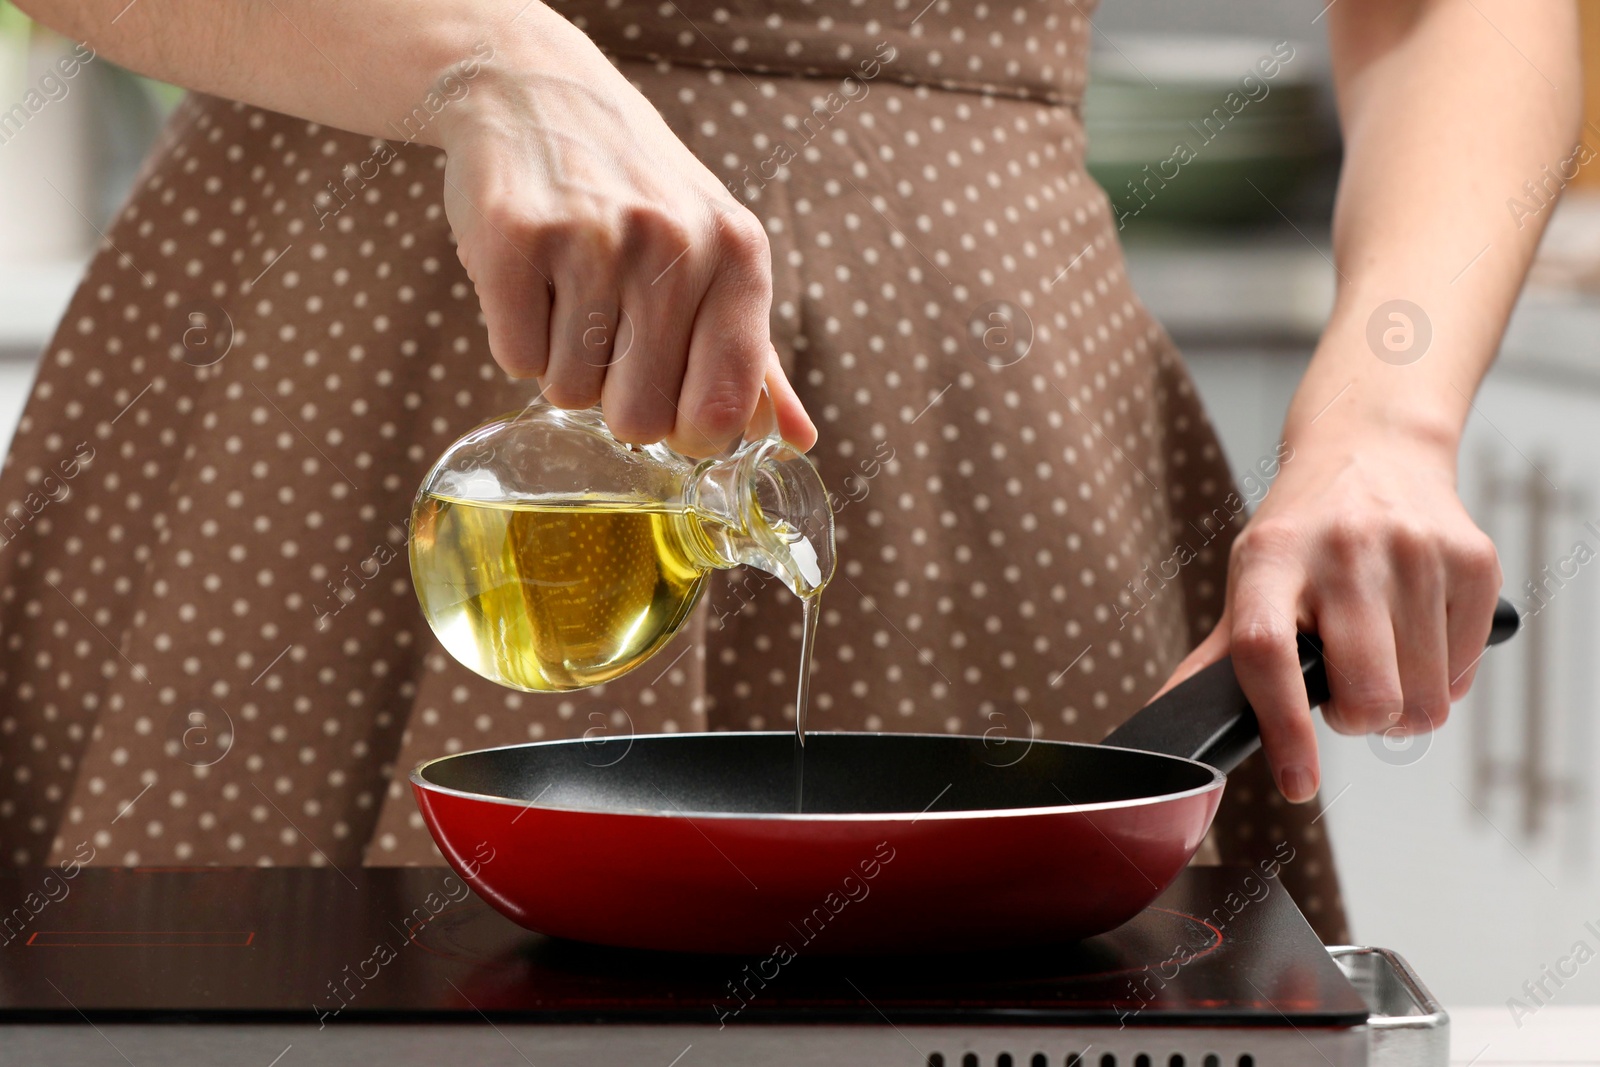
770	511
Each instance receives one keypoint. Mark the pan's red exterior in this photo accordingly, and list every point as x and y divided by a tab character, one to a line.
761	885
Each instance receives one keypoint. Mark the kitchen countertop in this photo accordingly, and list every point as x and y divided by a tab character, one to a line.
1557	1034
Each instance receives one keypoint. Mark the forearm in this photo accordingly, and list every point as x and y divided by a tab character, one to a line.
1448	108
359	65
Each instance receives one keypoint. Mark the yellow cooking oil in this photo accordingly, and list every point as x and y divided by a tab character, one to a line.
555	594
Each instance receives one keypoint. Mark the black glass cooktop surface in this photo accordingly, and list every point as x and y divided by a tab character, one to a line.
1221	944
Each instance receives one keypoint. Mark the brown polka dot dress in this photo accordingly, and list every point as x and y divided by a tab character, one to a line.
210	651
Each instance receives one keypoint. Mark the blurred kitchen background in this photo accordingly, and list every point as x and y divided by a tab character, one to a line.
1473	852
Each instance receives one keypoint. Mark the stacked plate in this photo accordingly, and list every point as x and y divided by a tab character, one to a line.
1204	129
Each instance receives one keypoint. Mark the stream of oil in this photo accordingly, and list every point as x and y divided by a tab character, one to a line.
809	611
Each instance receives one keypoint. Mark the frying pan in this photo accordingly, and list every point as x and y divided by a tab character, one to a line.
904	843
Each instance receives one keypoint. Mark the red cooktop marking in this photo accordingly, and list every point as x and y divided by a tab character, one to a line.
1216	934
141	939
415	928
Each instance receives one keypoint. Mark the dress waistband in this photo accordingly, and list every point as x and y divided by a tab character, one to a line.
1023	48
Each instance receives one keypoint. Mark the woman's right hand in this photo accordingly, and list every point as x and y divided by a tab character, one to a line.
582	220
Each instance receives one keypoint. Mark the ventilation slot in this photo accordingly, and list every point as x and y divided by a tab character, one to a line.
1078	1059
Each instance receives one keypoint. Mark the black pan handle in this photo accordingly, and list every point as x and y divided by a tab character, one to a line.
1207	717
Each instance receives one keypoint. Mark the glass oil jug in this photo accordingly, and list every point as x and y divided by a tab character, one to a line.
549	556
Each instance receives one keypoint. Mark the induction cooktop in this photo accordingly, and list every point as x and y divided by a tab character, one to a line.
325	966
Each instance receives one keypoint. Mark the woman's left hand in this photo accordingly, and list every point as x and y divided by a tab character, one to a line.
1363	541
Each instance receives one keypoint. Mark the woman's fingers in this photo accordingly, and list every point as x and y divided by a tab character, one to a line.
731	342
1402	612
585	261
1358	645
616	269
1264	607
1363	541
1470	604
611	263
646	372
794	425
515	297
665	324
1421	647
652	347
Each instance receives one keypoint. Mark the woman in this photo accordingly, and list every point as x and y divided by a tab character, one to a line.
212	652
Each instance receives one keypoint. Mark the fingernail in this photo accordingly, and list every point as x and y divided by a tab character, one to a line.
1297	783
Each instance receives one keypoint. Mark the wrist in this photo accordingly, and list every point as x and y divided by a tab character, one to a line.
1376	412
1418	445
1359	387
428	117
547	58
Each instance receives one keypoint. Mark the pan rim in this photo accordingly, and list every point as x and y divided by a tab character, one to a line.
1218	780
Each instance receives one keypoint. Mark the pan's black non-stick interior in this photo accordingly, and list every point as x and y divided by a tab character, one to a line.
843	773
